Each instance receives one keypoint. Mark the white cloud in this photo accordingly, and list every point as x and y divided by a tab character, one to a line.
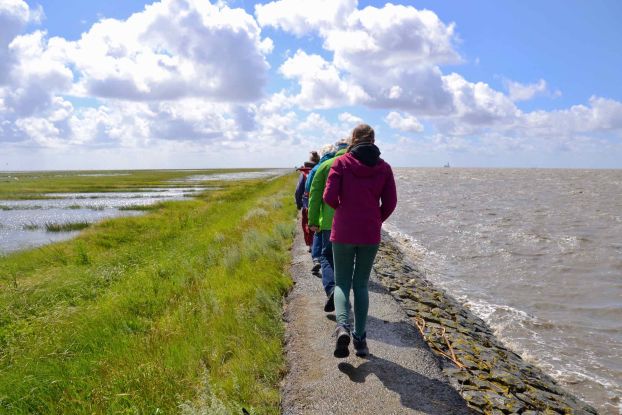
602	115
14	15
394	36
525	92
403	122
188	75
348	118
171	50
321	84
170	59
387	56
37	74
477	104
301	17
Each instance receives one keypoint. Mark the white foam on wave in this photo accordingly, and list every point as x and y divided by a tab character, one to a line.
502	318
427	260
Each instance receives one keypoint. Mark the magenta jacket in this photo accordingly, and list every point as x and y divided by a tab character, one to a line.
363	197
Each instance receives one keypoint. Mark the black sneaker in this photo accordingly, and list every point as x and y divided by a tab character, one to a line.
330	303
316	267
342	342
360	345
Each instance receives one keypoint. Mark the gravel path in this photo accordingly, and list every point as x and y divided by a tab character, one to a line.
401	375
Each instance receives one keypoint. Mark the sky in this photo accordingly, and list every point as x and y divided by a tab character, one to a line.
121	84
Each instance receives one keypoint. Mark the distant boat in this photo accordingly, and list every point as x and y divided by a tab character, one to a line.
447	166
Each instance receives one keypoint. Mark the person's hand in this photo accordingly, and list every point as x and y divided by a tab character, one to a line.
314	228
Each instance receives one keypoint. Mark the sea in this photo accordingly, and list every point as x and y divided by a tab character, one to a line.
537	253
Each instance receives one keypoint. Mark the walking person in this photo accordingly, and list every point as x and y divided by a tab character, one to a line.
302	197
326	152
321	220
361	189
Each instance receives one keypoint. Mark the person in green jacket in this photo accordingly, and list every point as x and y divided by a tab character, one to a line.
321	221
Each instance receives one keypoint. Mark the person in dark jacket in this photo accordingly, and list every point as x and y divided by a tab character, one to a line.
361	189
302	197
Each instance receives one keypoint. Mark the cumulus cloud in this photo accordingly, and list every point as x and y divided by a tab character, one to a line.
346	117
193	72
402	43
525	92
36	76
14	15
321	84
477	104
301	17
173	49
169	59
403	122
602	115
391	36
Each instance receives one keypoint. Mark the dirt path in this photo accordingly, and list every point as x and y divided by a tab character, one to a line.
401	375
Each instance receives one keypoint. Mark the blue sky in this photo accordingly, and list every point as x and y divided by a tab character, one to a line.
110	84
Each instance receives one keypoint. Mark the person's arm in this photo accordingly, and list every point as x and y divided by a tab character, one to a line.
333	185
299	191
315	195
388	196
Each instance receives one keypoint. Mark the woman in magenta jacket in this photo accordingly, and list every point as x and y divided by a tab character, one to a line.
361	189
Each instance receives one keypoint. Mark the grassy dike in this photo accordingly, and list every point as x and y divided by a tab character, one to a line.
175	311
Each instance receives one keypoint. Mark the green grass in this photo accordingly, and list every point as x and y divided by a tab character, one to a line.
34	185
66	226
139	207
175	311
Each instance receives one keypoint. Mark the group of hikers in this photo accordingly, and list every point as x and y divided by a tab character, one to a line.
345	192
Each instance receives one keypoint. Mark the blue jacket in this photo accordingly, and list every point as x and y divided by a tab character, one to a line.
325	157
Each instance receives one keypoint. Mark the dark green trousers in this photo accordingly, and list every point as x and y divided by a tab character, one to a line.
352	268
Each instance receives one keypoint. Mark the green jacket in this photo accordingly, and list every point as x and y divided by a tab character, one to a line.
319	212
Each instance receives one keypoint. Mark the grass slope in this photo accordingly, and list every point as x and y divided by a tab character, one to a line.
175	311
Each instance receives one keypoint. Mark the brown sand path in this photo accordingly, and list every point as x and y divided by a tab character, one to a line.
401	375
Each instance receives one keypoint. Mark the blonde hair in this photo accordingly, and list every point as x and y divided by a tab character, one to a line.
328	148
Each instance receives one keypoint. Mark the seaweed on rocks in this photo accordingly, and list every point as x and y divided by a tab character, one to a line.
489	376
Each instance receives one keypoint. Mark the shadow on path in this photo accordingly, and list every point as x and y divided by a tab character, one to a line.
416	391
396	333
375	287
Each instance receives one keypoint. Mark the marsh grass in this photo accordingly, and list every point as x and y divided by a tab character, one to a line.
31	227
66	226
41	185
178	310
139	207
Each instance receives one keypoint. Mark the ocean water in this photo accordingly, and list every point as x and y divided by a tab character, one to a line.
537	253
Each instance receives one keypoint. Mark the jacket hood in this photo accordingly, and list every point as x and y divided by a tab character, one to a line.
364	160
326	156
366	153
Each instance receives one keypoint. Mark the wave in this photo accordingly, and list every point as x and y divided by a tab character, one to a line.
518	329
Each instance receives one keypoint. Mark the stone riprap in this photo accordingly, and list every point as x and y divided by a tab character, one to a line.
489	376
